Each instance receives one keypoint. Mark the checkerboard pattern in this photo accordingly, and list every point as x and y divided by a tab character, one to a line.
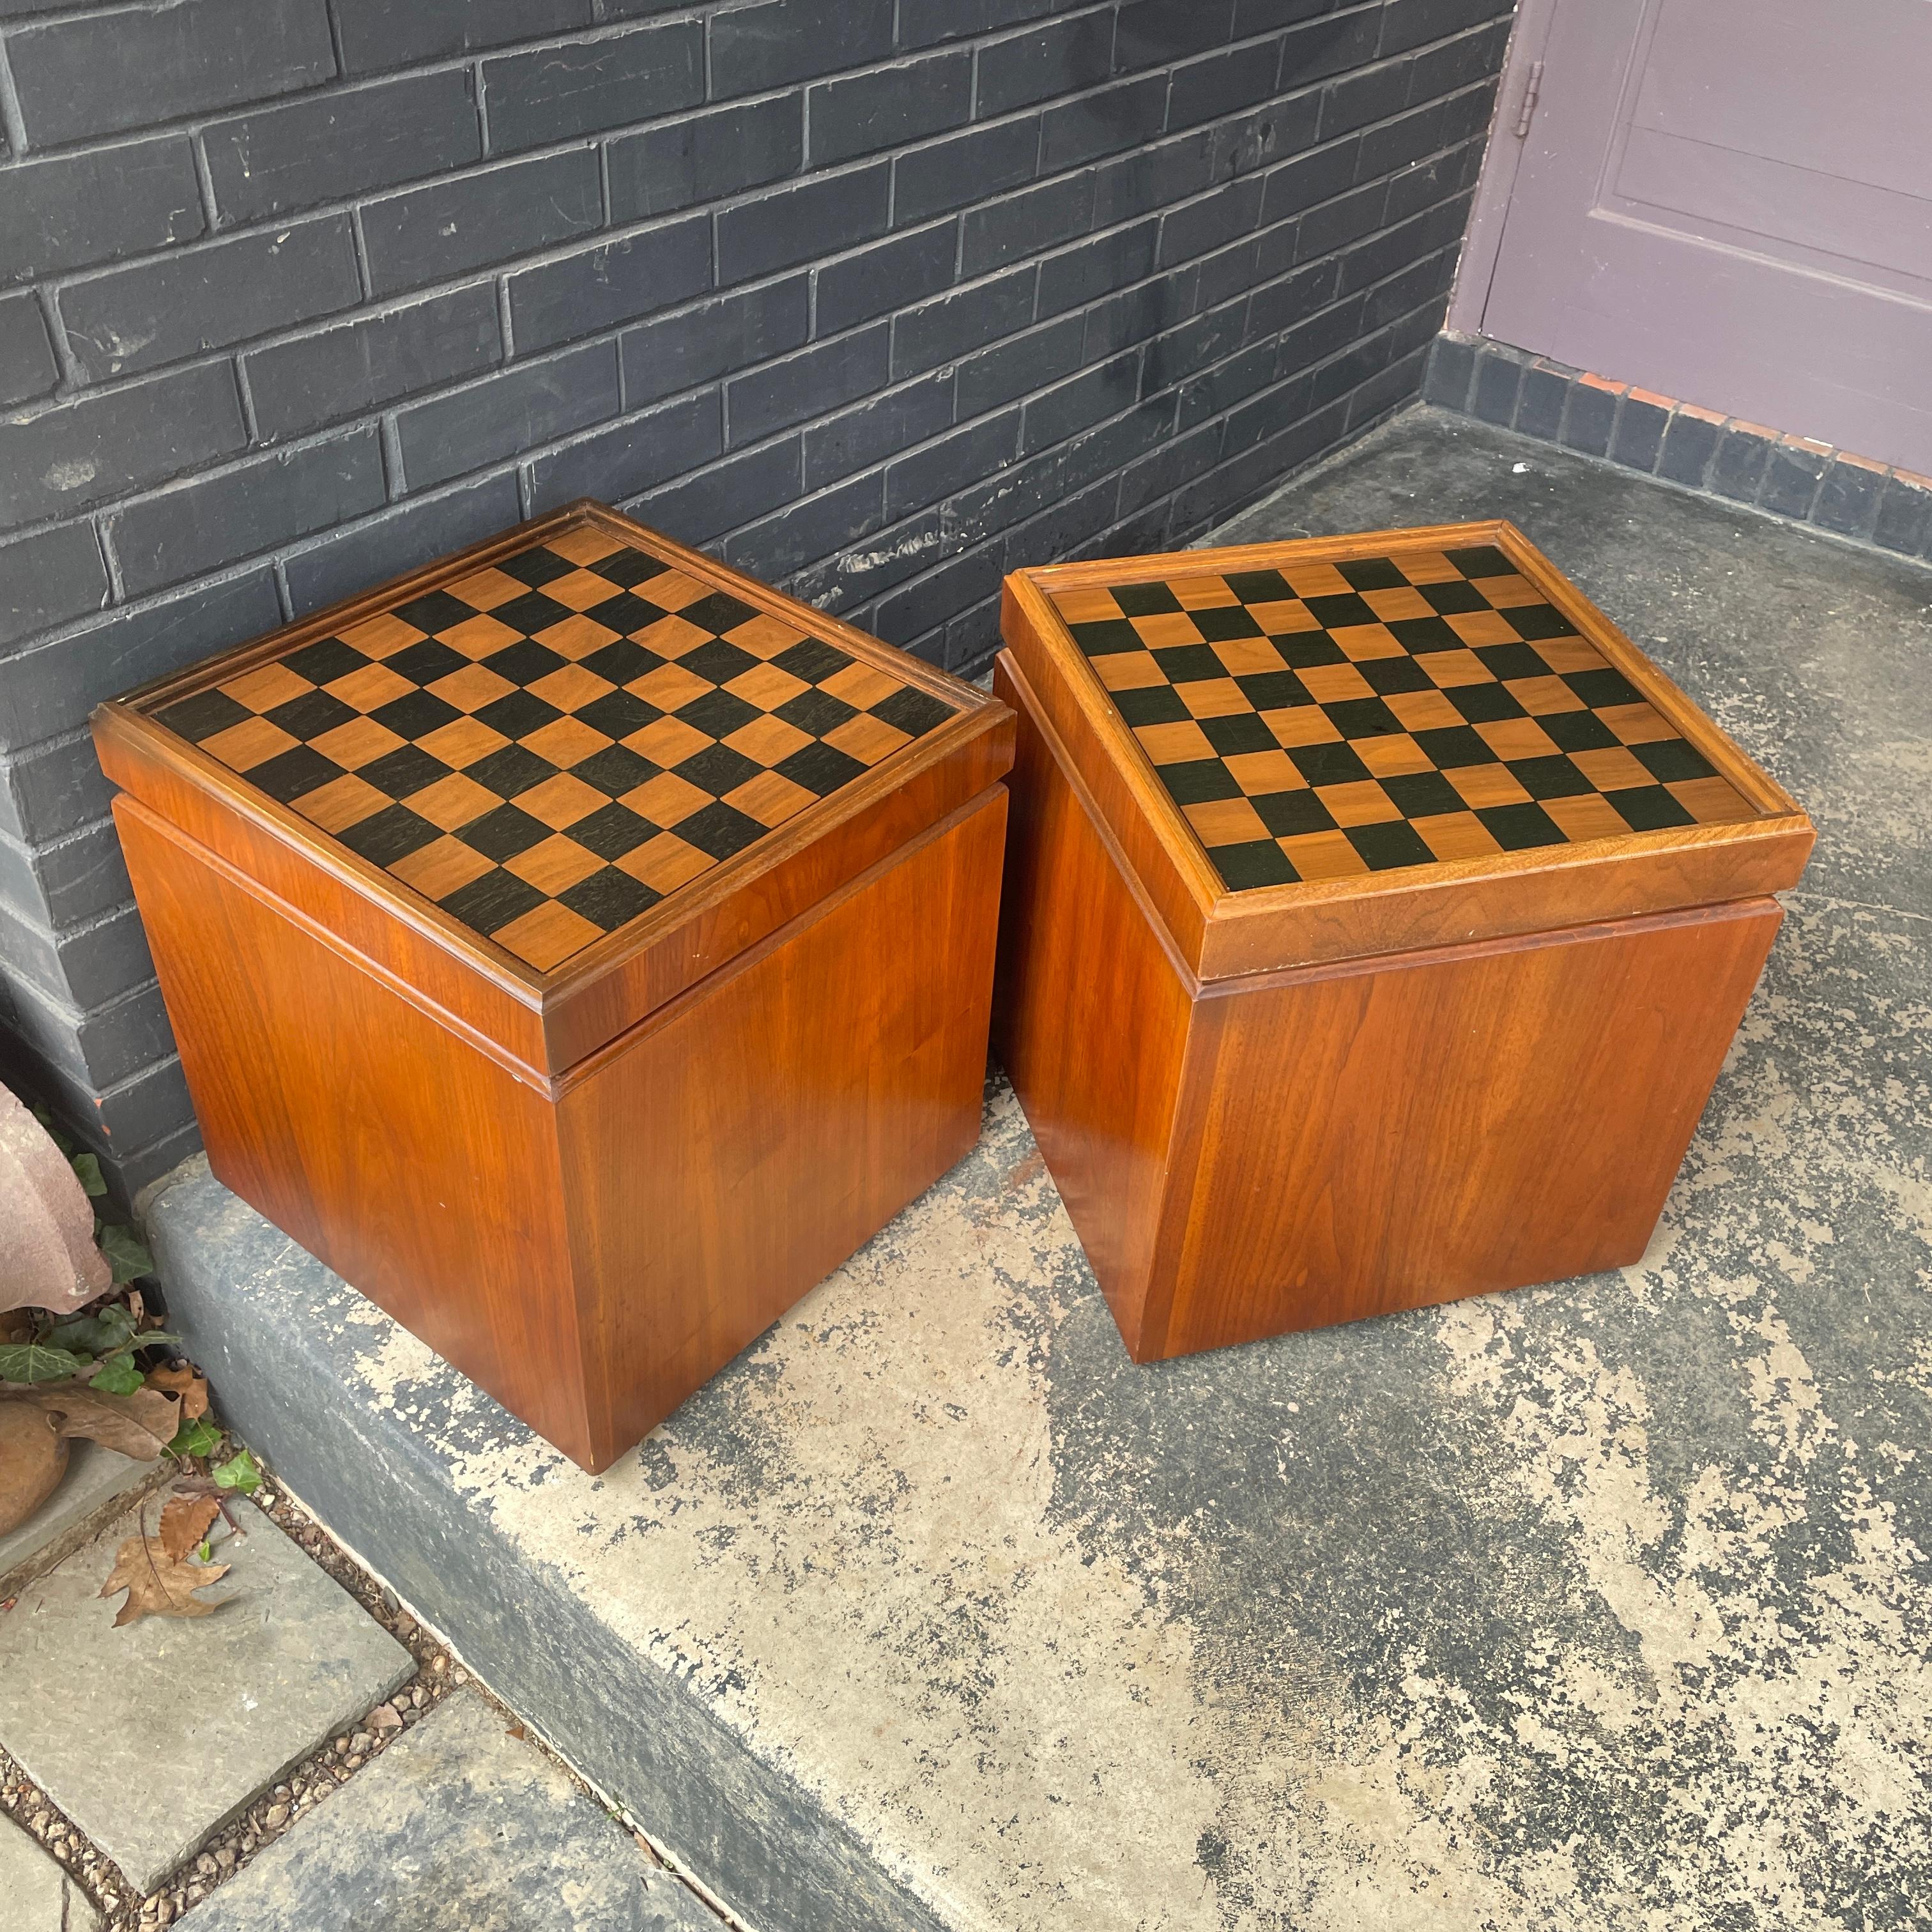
548	746
1326	720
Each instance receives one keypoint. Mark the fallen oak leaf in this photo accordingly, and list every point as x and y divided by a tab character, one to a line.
141	1425
185	1521
190	1384
157	1584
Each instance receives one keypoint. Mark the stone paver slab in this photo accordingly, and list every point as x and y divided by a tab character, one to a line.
457	1827
36	1895
152	1737
96	1479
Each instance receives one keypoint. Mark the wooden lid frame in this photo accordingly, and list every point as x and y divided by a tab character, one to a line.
540	1024
1217	933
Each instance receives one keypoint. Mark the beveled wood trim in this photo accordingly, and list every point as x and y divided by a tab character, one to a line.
585	1000
1224	933
129	809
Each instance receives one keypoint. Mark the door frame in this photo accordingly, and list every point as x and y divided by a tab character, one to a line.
1482	244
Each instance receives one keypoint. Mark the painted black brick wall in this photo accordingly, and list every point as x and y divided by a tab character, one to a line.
877	299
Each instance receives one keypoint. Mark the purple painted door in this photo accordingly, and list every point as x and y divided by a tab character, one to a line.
1730	201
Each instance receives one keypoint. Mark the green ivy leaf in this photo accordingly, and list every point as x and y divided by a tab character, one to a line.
106	1332
197	1438
239	1472
87	1171
35	1362
117	1376
125	1254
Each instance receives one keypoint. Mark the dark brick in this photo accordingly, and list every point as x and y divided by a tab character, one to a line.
1029	361
680	352
1848	499
952	462
1426	281
1319	48
27	365
1218	391
1153	32
1314	340
81	876
78	969
812	531
1262	16
206	298
1209	219
70	455
1639	434
697	509
448	228
1103	122
49	577
923	23
913	609
1357	99
1409	23
379	34
78	210
855	439
630	457
1293	299
1307	181
892	275
410	534
334	146
1458	63
53	689
97	73
1094	267
1451	373
1060	57
1162	471
197	527
809	383
1094	394
1132	315
1540	411
794	224
52	789
1737	471
507	415
615	282
1151	179
863	113
583	87
1904	520
111	1044
1791	479
1498	384
755	48
1407	138
967	167
1587	421
1023	223
302	384
944	329
1224	83
1688	446
1195	345
705	157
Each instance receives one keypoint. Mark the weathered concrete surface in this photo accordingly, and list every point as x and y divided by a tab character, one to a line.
152	1737
98	1484
457	1827
1599	1607
36	1895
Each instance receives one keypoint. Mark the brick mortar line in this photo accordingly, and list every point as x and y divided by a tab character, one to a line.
336	433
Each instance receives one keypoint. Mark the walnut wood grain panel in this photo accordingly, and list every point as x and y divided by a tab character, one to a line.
1091	1015
1442	1125
423	1173
727	1157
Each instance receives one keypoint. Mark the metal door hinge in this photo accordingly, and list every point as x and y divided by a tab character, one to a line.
1529	94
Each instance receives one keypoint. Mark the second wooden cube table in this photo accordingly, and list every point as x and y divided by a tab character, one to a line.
579	946
1377	918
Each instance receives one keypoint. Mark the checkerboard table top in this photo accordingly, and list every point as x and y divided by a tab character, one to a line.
550	743
1394	704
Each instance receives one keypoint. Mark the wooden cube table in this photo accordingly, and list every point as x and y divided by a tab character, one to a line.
1376	920
579	946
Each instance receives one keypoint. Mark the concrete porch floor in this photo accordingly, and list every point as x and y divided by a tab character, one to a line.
1598	1606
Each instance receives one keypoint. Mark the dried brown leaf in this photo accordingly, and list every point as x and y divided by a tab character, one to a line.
191	1384
157	1584
141	1425
185	1522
